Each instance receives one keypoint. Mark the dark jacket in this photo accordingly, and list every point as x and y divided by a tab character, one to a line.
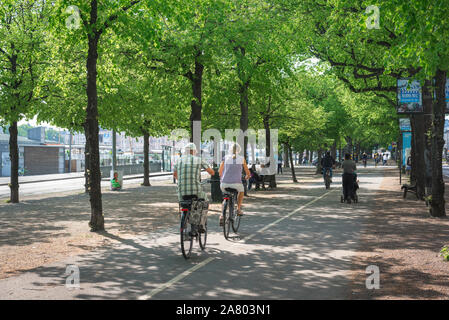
327	161
409	161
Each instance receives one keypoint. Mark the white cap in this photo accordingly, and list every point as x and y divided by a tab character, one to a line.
189	147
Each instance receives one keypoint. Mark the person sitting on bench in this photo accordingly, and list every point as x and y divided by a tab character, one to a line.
254	177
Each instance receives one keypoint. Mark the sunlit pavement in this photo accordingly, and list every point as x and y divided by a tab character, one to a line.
305	253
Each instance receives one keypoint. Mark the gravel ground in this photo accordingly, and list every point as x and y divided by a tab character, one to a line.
403	240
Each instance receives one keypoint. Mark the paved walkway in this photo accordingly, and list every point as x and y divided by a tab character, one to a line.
4	181
57	184
294	243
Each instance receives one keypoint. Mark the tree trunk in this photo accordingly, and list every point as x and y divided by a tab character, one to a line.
427	134
14	157
438	203
357	151
300	156
420	125
97	219
417	174
243	92
414	153
334	150
86	165
286	152
318	165
269	149
290	153
349	147
196	104
146	160
114	150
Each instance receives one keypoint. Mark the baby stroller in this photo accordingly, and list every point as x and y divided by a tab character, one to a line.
355	197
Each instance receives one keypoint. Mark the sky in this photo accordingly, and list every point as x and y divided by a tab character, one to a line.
34	123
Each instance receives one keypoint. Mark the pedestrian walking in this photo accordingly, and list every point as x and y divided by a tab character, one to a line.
279	165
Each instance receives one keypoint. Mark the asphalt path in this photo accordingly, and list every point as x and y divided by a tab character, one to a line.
295	245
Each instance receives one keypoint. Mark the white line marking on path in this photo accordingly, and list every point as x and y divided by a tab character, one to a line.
205	262
175	279
287	216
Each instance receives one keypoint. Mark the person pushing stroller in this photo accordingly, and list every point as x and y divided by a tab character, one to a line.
349	179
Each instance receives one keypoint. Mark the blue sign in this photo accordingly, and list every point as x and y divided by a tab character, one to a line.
404	124
406	146
409	96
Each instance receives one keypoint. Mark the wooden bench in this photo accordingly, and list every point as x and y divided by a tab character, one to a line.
268	180
410	188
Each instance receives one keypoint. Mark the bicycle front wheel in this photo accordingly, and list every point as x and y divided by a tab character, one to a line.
236	223
226	218
186	238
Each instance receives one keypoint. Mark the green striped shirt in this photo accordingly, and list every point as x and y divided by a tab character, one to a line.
189	168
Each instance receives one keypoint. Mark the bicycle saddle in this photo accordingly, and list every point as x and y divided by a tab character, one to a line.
231	190
190	197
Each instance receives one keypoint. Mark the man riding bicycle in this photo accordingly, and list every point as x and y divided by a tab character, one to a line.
364	158
327	163
187	171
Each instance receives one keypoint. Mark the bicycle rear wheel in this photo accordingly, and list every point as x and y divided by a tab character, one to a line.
186	238
203	237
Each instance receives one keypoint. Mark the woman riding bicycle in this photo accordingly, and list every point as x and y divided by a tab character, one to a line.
231	175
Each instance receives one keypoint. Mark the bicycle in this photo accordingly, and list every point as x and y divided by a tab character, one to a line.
230	219
188	231
327	178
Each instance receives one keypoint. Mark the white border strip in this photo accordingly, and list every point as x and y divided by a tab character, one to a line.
202	264
175	279
287	216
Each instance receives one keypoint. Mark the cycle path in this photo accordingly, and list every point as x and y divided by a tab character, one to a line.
295	244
